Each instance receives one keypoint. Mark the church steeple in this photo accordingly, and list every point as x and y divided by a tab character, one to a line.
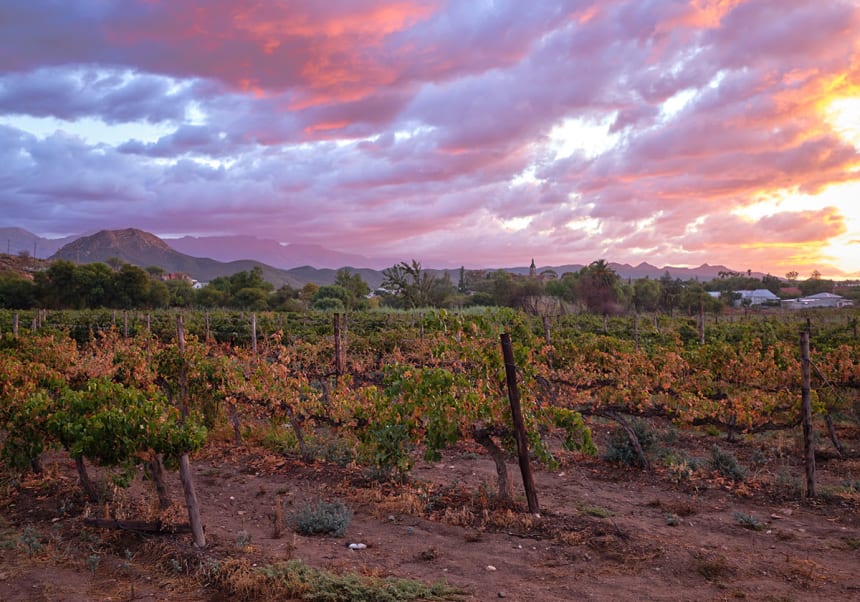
533	269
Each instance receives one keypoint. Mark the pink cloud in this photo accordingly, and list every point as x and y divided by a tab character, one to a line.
413	124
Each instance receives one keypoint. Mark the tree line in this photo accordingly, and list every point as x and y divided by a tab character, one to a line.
407	285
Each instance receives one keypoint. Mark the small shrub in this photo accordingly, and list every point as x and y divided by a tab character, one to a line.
295	580
595	511
619	449
759	458
337	451
280	440
748	521
681	468
323	518
670	435
788	484
726	464
32	541
713	567
243	539
712	430
93	562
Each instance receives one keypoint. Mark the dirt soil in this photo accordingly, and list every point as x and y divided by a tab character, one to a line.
604	532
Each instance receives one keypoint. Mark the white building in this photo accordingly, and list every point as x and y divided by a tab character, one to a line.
818	300
759	296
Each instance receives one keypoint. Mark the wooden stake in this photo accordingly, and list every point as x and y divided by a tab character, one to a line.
806	415
191	501
15	326
254	333
338	349
206	321
519	424
636	329
185	475
701	323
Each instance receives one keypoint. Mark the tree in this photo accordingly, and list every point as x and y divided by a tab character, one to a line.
670	295
180	292
322	298
94	285
210	296
413	286
646	294
285	299
355	287
771	283
599	287
131	286
17	293
815	285
56	285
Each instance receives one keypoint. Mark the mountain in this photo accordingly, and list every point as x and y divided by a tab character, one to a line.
292	263
704	272
232	248
144	249
15	241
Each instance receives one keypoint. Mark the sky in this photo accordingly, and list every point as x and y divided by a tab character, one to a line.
481	133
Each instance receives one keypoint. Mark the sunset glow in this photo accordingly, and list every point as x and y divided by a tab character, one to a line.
456	133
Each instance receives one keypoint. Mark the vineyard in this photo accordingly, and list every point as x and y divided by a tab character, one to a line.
401	422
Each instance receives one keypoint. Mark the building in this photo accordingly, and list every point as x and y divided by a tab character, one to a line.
759	296
817	300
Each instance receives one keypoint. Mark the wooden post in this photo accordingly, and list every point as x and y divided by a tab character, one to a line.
547	334
806	415
701	322
15	325
254	333
636	329
185	474
125	323
206	321
421	326
338	351
519	424
34	326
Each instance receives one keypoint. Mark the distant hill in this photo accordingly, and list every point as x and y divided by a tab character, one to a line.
704	272
207	257
20	266
271	252
16	241
144	249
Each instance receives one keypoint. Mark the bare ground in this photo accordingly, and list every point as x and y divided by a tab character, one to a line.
604	532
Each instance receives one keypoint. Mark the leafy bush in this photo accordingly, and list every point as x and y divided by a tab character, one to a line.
295	580
748	521
619	449
323	518
726	464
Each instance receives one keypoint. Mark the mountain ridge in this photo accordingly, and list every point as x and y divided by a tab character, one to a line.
144	249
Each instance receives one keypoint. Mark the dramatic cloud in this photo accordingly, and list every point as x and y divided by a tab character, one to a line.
476	133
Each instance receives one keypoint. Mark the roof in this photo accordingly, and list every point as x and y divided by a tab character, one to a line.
824	296
759	292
